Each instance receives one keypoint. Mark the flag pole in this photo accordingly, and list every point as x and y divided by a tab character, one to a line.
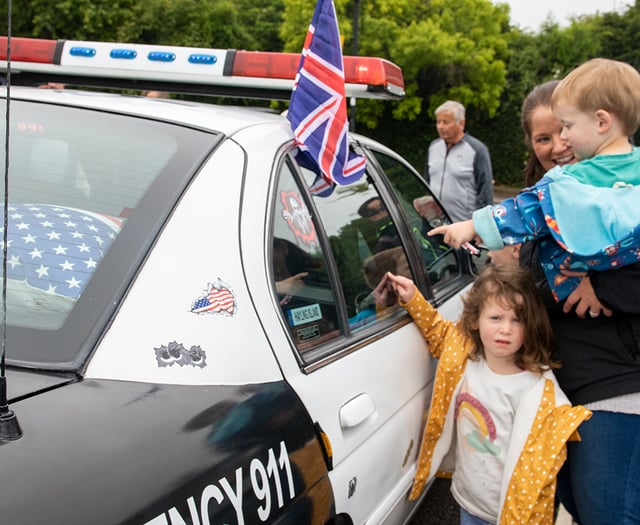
356	26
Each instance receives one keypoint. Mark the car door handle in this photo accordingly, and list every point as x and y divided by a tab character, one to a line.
355	411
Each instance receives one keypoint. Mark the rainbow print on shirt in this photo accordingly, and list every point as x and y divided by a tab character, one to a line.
483	435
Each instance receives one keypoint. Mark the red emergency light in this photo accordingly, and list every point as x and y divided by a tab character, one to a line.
28	50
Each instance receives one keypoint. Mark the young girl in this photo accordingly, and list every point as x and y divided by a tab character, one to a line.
498	420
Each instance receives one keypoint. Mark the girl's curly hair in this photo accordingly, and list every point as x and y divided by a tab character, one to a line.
512	286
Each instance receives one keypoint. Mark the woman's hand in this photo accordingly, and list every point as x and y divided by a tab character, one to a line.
585	301
291	285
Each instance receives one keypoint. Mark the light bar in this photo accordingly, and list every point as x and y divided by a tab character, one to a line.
225	72
374	74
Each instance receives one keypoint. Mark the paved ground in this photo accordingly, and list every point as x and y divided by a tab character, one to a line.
503	192
439	508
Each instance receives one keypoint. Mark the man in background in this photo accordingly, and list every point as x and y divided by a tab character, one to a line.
458	167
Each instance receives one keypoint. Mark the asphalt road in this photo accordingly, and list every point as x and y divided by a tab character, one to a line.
438	507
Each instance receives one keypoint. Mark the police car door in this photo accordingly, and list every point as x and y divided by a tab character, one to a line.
362	370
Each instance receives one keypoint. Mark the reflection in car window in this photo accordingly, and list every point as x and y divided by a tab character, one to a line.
364	243
73	200
424	213
300	273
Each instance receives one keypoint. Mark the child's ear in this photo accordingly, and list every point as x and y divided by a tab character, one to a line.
605	120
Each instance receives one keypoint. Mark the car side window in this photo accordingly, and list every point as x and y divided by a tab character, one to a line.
439	260
360	240
365	244
300	270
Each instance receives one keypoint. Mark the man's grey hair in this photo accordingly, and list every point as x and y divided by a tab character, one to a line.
454	107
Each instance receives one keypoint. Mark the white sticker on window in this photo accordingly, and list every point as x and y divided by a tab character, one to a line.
304	314
308	333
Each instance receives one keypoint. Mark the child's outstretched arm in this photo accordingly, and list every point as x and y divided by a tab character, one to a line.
436	330
559	206
456	234
512	221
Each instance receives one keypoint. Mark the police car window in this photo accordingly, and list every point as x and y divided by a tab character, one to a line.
299	269
365	244
77	178
56	161
424	213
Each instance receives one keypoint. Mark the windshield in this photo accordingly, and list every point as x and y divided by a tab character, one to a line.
78	181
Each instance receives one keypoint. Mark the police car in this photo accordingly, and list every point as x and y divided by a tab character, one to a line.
190	332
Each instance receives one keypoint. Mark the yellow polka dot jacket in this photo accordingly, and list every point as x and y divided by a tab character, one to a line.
543	424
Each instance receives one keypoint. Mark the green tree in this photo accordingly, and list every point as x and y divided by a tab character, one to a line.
77	19
264	17
457	50
240	24
620	35
446	48
185	23
244	24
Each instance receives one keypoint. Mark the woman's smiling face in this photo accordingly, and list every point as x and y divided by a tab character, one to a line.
547	145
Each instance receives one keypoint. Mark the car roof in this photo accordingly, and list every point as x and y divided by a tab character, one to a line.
208	116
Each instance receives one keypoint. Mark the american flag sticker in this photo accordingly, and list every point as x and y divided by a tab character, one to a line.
218	298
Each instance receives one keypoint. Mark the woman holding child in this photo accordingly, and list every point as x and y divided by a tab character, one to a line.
597	327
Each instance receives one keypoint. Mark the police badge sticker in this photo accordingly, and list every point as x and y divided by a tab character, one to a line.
176	353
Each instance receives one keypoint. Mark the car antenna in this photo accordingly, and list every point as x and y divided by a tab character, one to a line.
9	427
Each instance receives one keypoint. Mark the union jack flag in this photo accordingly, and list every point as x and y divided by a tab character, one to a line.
317	109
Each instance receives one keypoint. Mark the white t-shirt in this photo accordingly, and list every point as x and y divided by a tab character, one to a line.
484	412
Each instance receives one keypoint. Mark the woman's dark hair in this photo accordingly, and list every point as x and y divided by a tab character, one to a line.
538	96
512	286
364	210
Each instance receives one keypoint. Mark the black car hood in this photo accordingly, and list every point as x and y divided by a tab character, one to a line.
22	383
108	451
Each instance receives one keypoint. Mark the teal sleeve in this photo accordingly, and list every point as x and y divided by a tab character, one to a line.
486	228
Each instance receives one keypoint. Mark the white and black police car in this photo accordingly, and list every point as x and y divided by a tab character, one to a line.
189	333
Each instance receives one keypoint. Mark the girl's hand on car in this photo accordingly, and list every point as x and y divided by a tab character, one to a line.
402	286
